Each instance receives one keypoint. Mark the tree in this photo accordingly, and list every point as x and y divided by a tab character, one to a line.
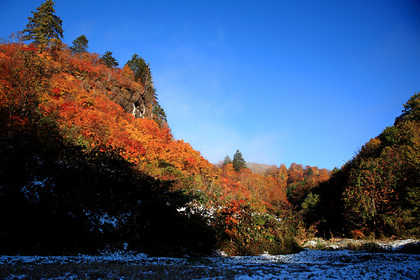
44	25
411	109
238	161
143	75
14	37
109	60
80	45
309	171
227	160
159	115
140	69
380	185
309	208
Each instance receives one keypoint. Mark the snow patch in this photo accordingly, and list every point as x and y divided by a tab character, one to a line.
307	264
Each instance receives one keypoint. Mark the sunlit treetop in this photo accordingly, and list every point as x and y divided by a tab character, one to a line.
80	44
44	25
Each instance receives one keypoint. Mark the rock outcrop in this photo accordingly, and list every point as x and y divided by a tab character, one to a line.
132	99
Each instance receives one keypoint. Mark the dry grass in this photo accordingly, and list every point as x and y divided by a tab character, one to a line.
372	246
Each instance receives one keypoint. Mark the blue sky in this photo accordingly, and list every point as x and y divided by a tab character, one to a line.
305	81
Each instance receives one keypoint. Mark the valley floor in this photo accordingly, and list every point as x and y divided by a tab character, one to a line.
308	264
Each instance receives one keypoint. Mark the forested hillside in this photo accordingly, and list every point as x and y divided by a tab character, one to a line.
65	139
376	193
88	162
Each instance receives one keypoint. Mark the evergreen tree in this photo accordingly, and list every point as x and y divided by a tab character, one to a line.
238	161
411	110
80	45
44	25
143	75
140	69
377	191
227	161
159	115
109	60
310	172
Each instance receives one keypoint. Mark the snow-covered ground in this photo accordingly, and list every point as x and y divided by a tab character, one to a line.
308	264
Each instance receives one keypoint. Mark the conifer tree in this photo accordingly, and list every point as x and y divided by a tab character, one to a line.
44	26
411	110
109	60
141	69
143	75
159	115
238	161
80	45
227	160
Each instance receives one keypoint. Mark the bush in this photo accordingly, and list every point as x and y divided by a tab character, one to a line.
244	232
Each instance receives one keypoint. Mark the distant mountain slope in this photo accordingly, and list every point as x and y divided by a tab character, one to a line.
260	168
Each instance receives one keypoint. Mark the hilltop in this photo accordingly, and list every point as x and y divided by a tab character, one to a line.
74	148
88	163
79	163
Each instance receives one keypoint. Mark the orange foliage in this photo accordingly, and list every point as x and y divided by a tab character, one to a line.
74	93
84	114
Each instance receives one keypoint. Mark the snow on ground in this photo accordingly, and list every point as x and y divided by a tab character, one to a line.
308	264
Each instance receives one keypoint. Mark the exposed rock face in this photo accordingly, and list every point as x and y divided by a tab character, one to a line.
132	100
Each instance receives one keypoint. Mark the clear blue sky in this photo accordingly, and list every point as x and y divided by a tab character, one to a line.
282	81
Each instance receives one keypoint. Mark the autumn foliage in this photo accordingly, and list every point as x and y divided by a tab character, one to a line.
74	109
67	101
375	194
61	88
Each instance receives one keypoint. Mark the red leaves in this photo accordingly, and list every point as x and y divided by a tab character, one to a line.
75	98
31	48
56	93
231	216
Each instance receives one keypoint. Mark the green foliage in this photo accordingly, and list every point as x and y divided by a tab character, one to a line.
159	115
376	193
80	45
143	75
310	172
44	25
238	161
242	231
140	69
328	214
227	160
389	136
369	195
309	207
411	110
296	192
109	60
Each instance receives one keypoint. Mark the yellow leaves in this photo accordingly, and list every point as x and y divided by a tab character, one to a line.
74	96
127	72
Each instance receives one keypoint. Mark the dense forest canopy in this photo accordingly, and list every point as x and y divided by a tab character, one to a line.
87	155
